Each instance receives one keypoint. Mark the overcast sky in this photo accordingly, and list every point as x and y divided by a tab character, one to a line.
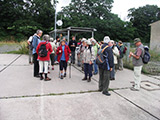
120	7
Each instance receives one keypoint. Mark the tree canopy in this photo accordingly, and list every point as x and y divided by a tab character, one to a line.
23	17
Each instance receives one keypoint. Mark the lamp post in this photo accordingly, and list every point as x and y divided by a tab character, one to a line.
55	22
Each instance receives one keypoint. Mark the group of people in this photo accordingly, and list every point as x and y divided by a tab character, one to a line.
59	50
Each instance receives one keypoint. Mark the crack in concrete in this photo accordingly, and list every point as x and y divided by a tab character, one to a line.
10	63
136	105
50	94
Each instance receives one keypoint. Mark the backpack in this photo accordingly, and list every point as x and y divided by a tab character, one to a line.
124	50
100	59
146	57
42	51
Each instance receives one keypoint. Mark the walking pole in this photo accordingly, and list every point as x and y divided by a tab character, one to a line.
70	67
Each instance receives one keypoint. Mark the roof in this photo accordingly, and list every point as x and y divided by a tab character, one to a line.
154	23
74	29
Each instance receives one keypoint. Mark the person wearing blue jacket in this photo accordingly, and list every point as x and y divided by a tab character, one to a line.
106	68
36	41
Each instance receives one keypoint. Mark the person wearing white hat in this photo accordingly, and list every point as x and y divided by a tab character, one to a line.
106	67
115	55
95	47
81	49
87	60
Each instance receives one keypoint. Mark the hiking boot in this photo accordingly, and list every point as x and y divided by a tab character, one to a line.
89	80
112	79
84	79
134	89
64	74
106	93
61	77
100	90
47	79
41	78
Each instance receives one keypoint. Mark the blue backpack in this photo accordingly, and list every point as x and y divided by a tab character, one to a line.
146	57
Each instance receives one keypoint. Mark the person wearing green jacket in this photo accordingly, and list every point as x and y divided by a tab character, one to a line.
95	47
120	59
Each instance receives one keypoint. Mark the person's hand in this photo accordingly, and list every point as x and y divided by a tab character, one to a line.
111	69
90	62
70	54
59	51
82	61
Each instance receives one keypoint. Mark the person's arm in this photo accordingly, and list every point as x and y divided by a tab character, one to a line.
50	48
34	42
116	51
57	52
37	49
110	59
137	56
92	55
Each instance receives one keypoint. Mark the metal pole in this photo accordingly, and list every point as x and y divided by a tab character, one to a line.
55	29
92	34
68	36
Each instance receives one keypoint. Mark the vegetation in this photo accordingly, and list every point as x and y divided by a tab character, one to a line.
21	18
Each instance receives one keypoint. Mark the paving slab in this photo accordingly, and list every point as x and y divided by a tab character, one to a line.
92	106
18	81
6	59
149	101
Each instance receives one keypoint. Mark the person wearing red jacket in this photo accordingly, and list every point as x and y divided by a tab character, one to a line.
43	61
63	52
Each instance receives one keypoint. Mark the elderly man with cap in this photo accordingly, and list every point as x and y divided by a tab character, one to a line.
137	63
106	67
44	60
87	60
95	47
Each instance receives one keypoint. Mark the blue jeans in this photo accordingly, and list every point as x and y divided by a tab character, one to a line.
88	69
95	67
112	73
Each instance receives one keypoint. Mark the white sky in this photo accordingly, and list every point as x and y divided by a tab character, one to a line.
120	7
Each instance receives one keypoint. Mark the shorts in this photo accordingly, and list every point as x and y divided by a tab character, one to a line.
63	65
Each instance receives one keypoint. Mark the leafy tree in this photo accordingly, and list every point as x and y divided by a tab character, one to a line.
141	18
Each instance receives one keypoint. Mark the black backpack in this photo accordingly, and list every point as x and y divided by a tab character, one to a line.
42	51
146	57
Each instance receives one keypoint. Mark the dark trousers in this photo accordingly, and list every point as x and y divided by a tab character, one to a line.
104	79
88	69
36	64
52	57
63	65
73	56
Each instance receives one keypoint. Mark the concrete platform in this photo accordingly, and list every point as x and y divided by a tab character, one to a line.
23	97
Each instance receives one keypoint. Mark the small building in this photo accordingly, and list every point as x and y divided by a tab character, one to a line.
155	36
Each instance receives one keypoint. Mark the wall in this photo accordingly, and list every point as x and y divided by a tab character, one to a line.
155	36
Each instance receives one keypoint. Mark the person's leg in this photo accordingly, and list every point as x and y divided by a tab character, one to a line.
121	64
85	72
73	57
61	69
65	68
41	65
112	76
95	67
106	80
30	54
137	77
101	79
46	63
90	69
52	60
36	65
